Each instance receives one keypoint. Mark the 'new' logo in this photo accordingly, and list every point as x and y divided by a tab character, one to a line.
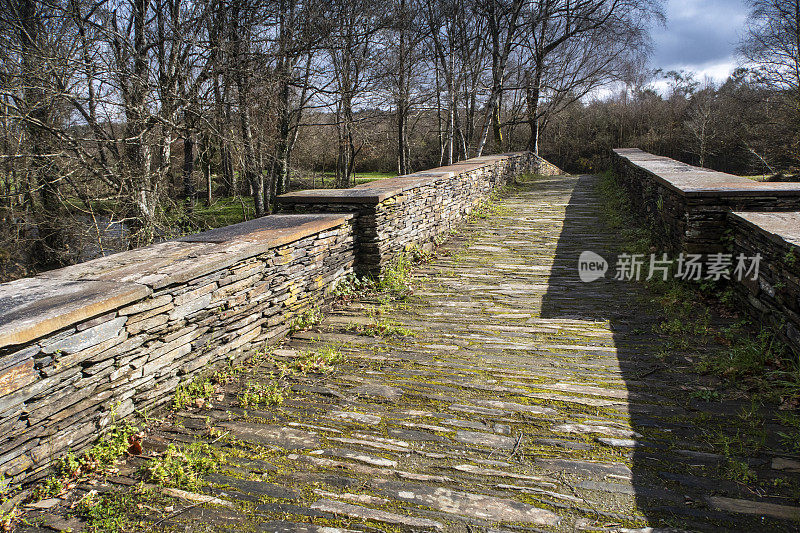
591	266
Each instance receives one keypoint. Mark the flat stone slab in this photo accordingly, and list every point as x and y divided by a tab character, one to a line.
284	526
357	511
34	307
353	416
586	467
467	504
690	180
485	439
361	458
261	488
516	407
589	429
786	464
619	443
155	266
196	255
379	190
338	196
283	437
783	228
272	230
774	510
483	471
378	390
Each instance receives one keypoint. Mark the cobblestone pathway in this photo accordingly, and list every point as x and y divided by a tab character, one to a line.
526	401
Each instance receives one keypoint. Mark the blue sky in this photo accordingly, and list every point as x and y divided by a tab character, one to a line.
700	35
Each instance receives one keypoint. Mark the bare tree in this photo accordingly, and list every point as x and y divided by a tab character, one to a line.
772	43
351	48
110	107
503	25
36	101
574	47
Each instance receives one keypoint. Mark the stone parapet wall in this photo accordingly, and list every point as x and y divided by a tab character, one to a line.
396	213
696	210
687	206
773	298
93	342
101	339
545	168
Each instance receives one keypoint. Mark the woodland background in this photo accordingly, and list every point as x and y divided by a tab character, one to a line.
124	122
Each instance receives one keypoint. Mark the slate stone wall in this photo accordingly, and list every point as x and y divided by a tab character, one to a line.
59	390
663	209
687	206
700	211
546	168
393	215
773	298
96	341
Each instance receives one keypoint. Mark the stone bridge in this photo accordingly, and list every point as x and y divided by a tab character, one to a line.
501	393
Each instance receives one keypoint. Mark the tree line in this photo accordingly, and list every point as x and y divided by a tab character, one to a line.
135	108
739	126
745	125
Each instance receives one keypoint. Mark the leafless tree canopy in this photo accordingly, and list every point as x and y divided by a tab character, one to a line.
121	120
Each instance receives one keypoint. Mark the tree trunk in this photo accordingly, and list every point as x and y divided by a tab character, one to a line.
439	120
252	171
532	94
279	174
205	155
189	191
50	247
139	153
402	96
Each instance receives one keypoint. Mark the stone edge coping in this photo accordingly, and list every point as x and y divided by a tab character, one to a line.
704	182
782	228
33	307
377	191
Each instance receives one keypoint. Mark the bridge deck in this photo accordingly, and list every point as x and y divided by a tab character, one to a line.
527	398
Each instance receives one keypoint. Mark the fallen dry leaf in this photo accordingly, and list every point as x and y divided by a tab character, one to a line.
135	444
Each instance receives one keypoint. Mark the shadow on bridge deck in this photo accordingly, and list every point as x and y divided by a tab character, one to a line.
685	455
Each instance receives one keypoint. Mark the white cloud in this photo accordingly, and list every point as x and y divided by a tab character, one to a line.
700	36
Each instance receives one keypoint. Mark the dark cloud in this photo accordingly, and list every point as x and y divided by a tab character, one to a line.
700	35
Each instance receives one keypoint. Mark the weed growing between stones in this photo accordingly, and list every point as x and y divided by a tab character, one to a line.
7	519
107	512
618	215
419	255
396	277
256	393
116	442
352	287
488	208
182	467
790	436
307	319
200	391
706	395
190	393
320	361
381	328
394	281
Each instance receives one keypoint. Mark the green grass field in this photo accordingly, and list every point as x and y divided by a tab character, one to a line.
223	211
325	180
